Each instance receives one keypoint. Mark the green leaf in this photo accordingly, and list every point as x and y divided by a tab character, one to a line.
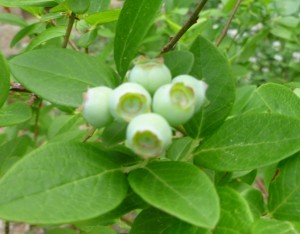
14	114
289	21
4	80
61	183
114	133
213	68
86	39
61	75
284	190
287	7
250	141
180	148
78	6
12	151
159	222
134	22
243	95
98	5
236	216
12	19
179	62
103	17
189	196
28	30
19	3
48	34
264	226
280	99
98	229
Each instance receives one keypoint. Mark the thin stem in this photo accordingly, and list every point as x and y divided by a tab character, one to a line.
18	88
69	29
224	32
89	134
190	22
36	121
7	224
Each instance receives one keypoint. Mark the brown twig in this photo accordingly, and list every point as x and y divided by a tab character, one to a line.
18	88
127	220
190	22
69	29
224	32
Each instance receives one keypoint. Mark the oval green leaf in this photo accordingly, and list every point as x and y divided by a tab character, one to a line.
250	141
12	19
280	99
61	183
103	17
211	66
284	191
14	114
236	216
4	80
263	226
61	75
189	195
134	22
160	222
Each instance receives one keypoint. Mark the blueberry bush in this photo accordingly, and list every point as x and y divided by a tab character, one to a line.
161	116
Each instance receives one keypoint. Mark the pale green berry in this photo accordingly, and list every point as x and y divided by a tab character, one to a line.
129	100
199	87
151	75
148	135
175	102
96	106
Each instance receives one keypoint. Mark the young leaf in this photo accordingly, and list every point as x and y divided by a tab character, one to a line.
250	141
61	183
189	196
213	68
14	114
160	222
179	62
280	99
98	5
236	216
263	226
48	34
284	191
114	133
4	80
134	22
103	17
243	95
61	231
61	75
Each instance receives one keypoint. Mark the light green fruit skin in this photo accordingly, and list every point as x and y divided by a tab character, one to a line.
172	112
144	124
126	89
198	86
150	75
96	106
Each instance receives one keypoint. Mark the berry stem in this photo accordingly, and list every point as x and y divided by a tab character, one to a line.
190	22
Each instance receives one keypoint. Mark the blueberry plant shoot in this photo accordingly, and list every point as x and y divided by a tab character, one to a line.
150	116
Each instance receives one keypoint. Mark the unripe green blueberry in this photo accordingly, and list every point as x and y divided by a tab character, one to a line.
148	135
150	74
175	102
96	106
199	87
129	100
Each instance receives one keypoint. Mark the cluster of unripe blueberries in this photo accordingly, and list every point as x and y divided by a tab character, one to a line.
151	102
